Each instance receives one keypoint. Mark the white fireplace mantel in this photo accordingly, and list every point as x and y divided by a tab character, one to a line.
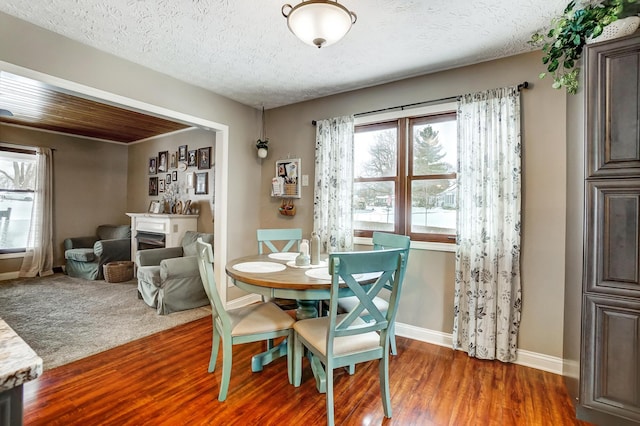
173	226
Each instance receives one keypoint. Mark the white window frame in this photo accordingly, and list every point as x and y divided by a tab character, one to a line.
29	150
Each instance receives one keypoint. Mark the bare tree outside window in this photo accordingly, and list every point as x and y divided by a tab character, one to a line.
405	181
17	182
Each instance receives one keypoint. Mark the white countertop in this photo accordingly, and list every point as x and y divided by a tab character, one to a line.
18	362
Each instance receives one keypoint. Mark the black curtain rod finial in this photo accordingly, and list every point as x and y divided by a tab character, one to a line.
524	85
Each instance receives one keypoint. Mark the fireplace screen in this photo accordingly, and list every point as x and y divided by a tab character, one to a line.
149	240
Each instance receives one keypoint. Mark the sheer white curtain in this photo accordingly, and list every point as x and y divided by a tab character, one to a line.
38	258
333	192
487	290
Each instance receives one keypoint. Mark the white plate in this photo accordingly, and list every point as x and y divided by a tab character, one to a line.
320	274
259	267
284	256
323	274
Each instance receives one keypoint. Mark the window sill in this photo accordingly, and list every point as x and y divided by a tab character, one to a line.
11	255
416	245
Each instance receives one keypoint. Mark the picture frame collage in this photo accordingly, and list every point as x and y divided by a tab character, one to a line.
168	168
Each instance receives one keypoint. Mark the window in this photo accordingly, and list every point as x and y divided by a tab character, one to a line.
405	176
17	184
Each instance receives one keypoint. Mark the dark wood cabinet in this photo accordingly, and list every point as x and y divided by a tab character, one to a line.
612	237
610	353
613	110
612	364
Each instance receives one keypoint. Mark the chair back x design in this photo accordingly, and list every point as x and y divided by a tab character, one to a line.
291	237
382	240
341	340
251	323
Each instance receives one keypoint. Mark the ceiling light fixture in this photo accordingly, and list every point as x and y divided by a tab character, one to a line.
319	23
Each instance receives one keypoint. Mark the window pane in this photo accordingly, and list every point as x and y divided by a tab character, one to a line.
433	206
374	204
435	148
17	180
17	171
375	153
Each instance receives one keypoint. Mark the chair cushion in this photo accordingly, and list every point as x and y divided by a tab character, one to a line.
113	232
80	254
149	274
258	318
189	242
315	332
347	304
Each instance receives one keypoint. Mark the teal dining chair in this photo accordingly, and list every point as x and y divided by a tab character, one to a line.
285	240
342	340
252	323
382	240
291	238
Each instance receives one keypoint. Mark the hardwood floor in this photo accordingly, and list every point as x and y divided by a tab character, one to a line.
163	380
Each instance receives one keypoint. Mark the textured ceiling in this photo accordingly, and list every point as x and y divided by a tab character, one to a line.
242	49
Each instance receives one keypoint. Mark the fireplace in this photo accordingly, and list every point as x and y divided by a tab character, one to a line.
150	240
150	230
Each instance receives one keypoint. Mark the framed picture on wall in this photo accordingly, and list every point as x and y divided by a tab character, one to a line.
163	161
153	186
153	161
168	178
154	206
174	160
204	158
286	184
192	157
160	185
202	180
174	176
182	153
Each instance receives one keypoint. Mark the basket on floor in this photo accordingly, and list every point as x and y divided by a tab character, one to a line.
117	272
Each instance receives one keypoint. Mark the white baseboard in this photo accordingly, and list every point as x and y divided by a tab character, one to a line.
526	358
9	275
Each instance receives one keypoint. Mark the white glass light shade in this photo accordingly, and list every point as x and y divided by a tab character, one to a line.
262	152
319	23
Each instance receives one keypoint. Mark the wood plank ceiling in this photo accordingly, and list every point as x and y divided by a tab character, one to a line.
37	105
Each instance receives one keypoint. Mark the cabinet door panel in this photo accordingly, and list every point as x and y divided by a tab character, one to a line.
613	237
613	109
611	365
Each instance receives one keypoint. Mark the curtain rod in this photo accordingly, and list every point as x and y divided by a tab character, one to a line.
523	85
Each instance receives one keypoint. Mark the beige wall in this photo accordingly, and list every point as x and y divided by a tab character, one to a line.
430	275
428	293
89	184
574	239
138	198
42	51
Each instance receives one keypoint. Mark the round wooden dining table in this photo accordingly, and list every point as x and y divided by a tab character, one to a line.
275	275
270	276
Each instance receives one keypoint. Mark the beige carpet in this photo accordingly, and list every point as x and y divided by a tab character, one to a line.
65	319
